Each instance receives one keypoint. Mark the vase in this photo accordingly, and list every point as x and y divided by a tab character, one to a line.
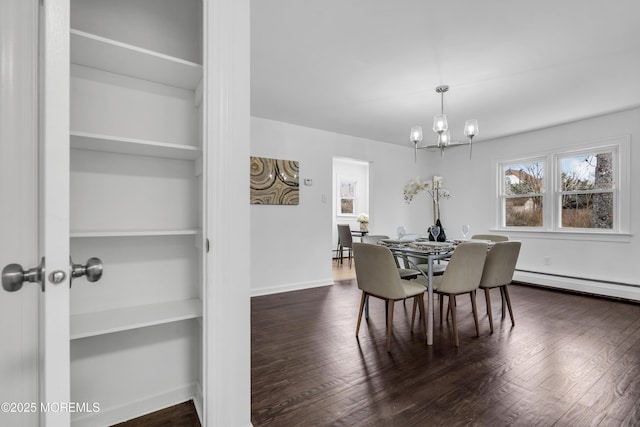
364	226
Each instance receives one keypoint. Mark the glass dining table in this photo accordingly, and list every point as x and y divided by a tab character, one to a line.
422	250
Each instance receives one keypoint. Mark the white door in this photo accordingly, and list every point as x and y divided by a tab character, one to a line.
38	108
18	206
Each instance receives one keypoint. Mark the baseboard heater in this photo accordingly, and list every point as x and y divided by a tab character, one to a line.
609	282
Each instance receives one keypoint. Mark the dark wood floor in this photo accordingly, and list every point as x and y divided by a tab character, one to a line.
570	360
180	415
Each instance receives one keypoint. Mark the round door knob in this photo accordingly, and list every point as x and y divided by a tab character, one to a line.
13	276
92	270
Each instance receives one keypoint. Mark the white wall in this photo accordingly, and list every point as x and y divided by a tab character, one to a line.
473	188
291	245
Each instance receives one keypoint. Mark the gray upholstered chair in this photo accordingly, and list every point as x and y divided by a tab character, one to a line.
492	237
377	276
462	276
345	241
498	273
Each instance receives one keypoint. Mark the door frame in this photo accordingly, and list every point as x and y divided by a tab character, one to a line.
227	312
54	162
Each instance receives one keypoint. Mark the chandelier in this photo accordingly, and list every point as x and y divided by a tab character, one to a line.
441	128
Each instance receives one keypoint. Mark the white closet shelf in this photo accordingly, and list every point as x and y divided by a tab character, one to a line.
105	54
135	233
138	147
122	319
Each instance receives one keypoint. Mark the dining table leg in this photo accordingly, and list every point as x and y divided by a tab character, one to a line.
430	309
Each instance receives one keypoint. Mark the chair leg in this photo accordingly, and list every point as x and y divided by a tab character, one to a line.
452	306
503	300
386	311
362	300
506	296
441	304
366	308
449	308
487	297
413	312
472	294
390	325
350	256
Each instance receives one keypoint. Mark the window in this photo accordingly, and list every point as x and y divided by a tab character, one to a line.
523	193
347	196
578	190
586	193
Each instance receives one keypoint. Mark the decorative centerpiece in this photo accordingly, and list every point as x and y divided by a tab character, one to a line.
434	189
363	219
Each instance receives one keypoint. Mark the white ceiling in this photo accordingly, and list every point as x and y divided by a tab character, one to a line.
369	68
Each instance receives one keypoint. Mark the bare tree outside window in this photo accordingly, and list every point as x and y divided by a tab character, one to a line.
587	191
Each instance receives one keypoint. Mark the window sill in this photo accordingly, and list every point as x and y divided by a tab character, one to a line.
565	235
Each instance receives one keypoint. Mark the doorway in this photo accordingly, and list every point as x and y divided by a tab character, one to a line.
350	193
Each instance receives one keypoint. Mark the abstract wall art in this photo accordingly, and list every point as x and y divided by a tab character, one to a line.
274	181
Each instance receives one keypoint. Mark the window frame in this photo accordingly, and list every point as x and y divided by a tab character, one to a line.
503	196
347	180
552	195
559	193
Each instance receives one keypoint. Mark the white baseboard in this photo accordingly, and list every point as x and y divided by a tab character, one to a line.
580	285
118	414
291	287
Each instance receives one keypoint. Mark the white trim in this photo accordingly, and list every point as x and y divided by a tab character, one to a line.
137	408
580	285
227	310
291	287
54	119
593	236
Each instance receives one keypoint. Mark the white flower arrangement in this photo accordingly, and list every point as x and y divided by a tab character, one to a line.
363	217
433	187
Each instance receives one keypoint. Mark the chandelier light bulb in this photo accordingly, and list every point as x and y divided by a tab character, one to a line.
440	123
416	134
471	128
444	138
